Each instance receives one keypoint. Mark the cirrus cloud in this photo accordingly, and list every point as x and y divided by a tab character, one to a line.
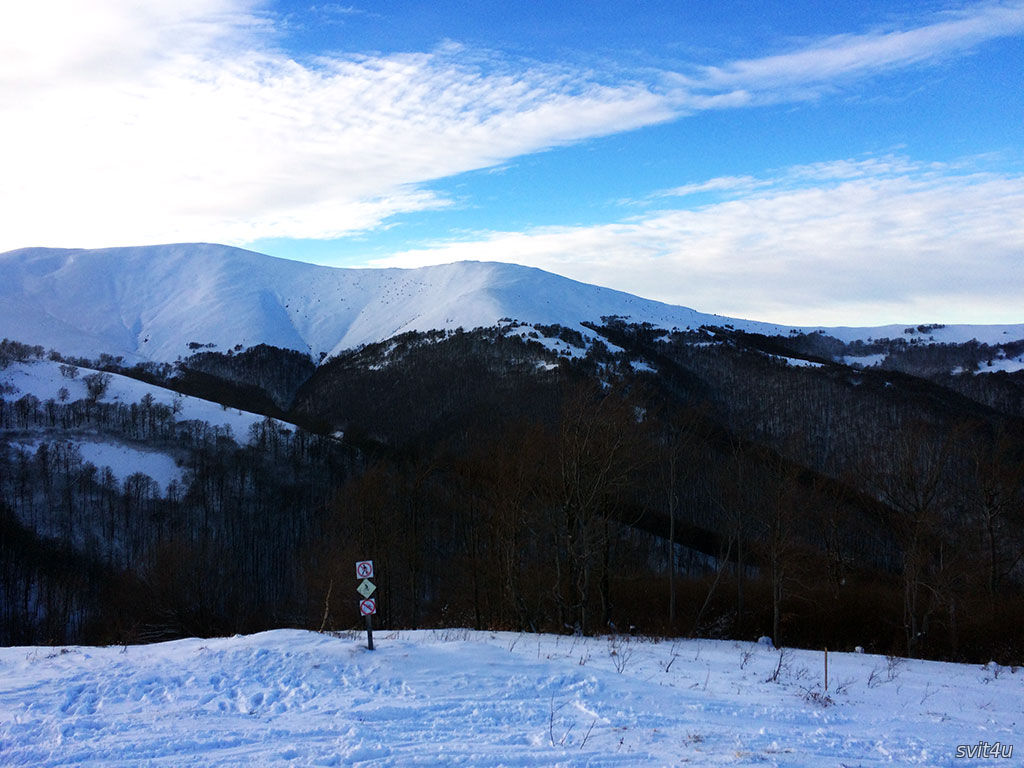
819	65
220	140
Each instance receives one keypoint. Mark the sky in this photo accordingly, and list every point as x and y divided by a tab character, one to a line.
803	162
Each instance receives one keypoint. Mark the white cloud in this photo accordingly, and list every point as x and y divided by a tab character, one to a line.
55	43
856	242
128	122
719	184
801	73
225	142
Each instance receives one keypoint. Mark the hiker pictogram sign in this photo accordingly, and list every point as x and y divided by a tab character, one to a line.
366	588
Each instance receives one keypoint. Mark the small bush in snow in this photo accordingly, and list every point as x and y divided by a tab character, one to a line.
746	656
620	651
893	665
818	698
781	666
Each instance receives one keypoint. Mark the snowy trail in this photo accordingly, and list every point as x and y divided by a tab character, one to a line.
291	698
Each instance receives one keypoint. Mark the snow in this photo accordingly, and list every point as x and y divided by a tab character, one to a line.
865	361
123	460
455	697
151	302
1007	364
798	362
948	334
43	378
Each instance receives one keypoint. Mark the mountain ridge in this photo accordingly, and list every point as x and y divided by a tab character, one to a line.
162	302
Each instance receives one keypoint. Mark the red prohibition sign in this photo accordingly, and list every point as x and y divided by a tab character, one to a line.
367	607
364	569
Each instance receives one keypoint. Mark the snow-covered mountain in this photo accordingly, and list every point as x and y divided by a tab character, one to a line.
152	302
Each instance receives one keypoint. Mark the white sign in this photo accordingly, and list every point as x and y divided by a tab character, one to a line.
364	569
367	607
367	588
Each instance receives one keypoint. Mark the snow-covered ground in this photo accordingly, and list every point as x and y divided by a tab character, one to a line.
798	362
1007	364
43	378
123	460
865	361
455	697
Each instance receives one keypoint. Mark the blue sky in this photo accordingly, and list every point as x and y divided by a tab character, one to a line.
801	162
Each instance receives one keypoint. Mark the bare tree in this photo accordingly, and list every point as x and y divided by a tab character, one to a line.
994	497
682	431
96	385
913	482
600	453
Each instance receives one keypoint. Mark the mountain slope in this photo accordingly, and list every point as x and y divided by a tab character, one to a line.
152	302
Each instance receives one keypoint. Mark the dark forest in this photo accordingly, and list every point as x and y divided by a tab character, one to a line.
653	482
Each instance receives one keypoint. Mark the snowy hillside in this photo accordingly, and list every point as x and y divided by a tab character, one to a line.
44	379
48	380
455	697
151	302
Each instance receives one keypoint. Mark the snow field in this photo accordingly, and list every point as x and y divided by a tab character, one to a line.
797	362
456	697
1007	364
123	460
43	379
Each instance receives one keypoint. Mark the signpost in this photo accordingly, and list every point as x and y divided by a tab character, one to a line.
367	606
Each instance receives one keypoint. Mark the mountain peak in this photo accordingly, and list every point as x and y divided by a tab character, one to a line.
152	302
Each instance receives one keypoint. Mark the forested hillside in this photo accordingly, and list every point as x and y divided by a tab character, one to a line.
709	481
